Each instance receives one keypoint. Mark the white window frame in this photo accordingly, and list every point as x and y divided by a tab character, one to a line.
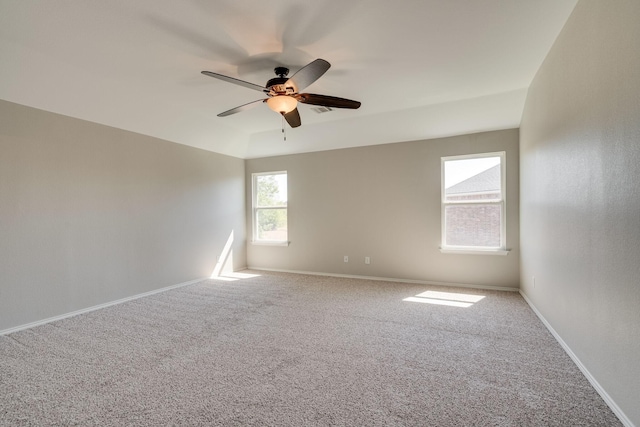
502	250
256	208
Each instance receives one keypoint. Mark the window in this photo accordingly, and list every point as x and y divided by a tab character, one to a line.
270	208
473	203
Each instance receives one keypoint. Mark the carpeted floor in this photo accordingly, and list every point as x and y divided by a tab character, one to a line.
296	350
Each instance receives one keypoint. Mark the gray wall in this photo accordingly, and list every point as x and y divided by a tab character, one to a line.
91	214
383	202
580	199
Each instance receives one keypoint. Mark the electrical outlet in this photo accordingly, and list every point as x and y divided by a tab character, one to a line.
367	260
346	258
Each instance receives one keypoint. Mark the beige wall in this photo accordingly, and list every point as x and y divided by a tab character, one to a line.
383	202
91	214
580	198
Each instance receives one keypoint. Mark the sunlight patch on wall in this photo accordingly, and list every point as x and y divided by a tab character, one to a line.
224	266
452	299
225	259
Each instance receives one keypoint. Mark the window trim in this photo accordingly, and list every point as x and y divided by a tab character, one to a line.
255	208
475	250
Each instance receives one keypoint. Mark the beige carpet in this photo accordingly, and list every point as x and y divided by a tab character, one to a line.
296	350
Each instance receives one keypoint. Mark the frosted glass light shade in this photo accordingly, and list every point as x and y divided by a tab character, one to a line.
282	103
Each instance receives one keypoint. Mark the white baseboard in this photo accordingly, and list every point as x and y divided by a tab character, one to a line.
96	307
391	279
601	391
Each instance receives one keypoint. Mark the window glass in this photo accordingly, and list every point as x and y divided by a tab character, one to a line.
270	207
473	179
473	209
477	225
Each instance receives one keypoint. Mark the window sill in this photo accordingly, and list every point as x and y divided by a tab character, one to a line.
269	243
475	251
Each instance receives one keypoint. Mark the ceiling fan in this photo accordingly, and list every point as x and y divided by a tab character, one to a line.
283	93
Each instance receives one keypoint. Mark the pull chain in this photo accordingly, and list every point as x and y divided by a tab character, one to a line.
284	134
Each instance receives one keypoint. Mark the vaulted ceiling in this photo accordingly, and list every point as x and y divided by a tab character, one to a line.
421	68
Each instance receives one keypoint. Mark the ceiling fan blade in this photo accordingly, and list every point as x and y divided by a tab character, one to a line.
327	101
235	81
308	74
293	118
241	108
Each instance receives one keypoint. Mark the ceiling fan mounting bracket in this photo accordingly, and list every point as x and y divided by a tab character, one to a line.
281	71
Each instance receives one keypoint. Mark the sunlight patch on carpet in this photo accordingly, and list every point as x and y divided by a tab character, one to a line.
235	276
452	299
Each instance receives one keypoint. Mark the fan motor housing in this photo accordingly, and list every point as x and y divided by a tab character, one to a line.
277	86
276	81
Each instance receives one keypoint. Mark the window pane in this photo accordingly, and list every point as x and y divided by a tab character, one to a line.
271	190
472	179
271	224
477	225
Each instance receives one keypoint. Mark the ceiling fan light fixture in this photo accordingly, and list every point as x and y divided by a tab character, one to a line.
282	104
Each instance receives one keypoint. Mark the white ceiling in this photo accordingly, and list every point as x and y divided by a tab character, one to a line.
421	68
